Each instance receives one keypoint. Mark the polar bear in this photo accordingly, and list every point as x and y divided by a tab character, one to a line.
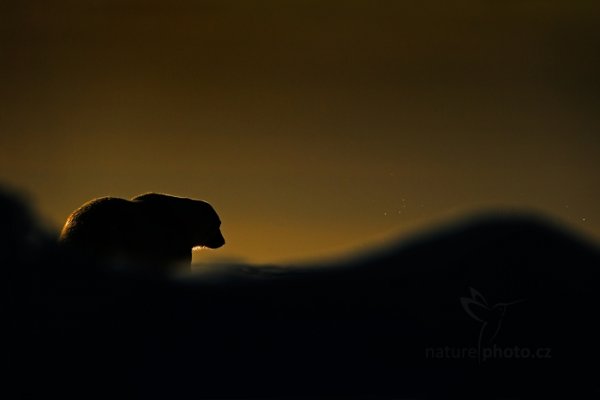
151	232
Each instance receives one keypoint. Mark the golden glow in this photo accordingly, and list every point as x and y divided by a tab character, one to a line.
310	126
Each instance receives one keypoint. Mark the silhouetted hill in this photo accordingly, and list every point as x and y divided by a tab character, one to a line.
496	306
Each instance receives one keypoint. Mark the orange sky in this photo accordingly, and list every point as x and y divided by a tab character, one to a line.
311	126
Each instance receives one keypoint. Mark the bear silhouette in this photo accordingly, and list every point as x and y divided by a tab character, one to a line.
151	232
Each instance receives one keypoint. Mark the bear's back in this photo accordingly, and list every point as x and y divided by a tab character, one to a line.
102	226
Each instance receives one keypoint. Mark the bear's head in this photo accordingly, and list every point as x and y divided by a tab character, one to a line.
206	225
196	220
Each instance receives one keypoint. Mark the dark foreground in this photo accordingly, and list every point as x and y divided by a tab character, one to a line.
389	324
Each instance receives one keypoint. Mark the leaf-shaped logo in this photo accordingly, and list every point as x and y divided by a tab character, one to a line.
476	306
490	318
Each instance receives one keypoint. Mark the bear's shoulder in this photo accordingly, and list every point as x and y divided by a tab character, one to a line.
100	209
101	203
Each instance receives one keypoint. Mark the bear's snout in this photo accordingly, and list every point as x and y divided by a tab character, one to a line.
215	240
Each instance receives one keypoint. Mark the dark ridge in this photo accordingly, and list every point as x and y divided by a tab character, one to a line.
391	323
